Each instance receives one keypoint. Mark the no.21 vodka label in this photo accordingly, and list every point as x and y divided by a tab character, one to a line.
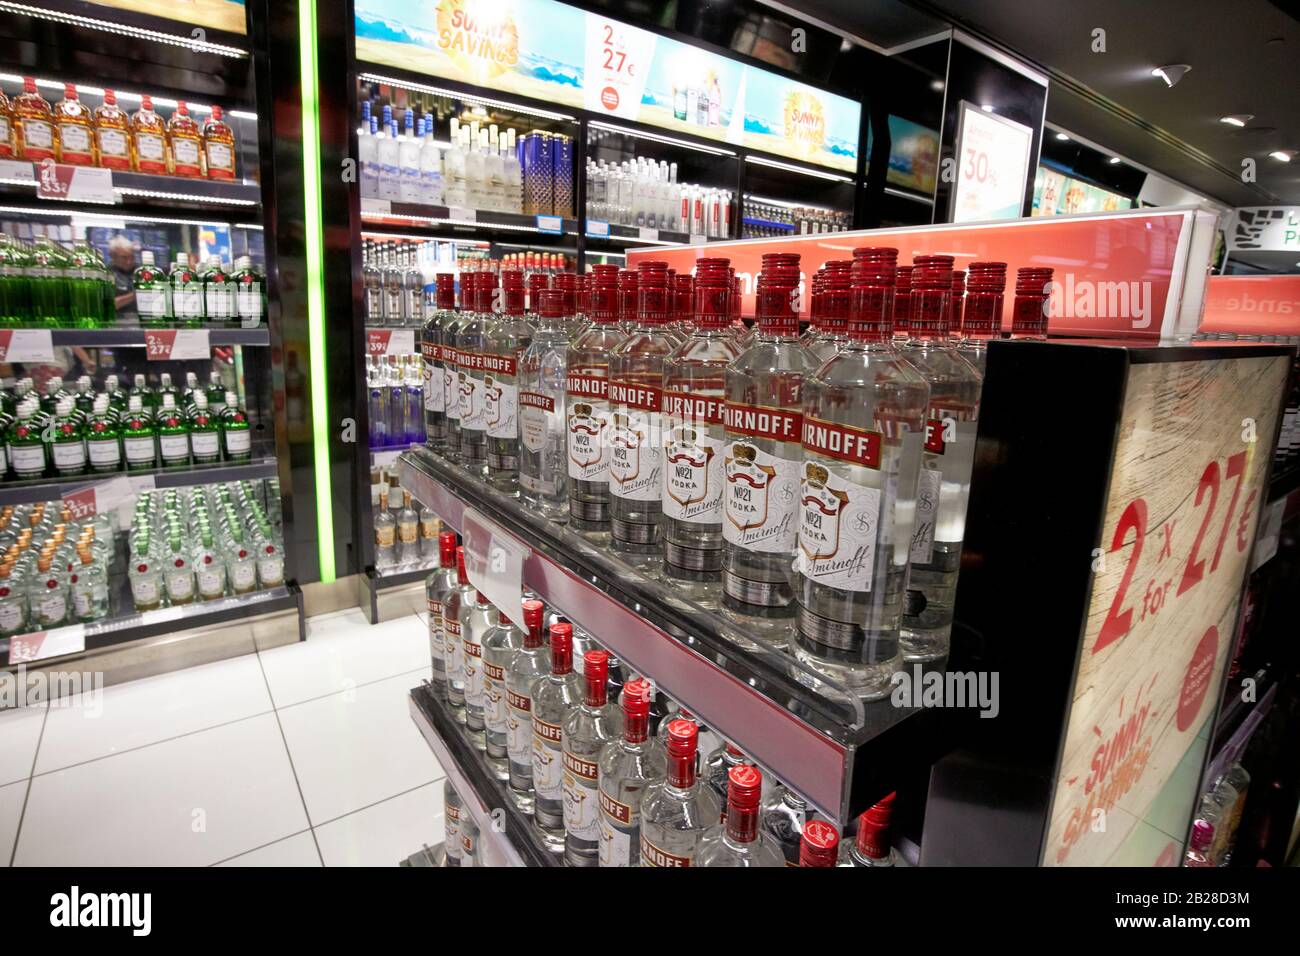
693	476
838	529
636	452
548	778
588	424
581	798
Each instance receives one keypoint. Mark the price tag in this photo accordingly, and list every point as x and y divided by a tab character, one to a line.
164	345
40	645
99	498
494	562
75	183
26	345
598	228
698	239
460	214
12	169
390	341
376	207
647	234
551	224
1270	532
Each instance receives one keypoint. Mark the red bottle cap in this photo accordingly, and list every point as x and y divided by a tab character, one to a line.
561	648
446	548
110	98
873	829
819	845
460	565
445	284
682	738
595	667
550	303
217	113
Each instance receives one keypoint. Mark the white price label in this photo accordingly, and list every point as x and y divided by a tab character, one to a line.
99	498
26	345
598	228
75	183
376	207
460	214
698	239
390	342
551	224
647	234
163	345
41	645
12	169
494	561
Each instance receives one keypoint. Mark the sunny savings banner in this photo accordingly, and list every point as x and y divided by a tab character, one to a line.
559	54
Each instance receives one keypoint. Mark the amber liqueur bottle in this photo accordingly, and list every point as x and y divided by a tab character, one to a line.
112	133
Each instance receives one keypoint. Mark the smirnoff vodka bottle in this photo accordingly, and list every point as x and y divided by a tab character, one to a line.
461	596
543	464
946	462
693	399
627	765
437	588
986	283
587	728
531	661
451	366
431	345
738	840
554	694
864	415
636	369
477	620
505	342
471	342
677	811
762	457
499	646
829	336
587	411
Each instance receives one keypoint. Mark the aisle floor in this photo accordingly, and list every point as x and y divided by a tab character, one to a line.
303	755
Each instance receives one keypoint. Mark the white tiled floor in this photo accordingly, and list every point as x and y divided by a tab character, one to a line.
299	756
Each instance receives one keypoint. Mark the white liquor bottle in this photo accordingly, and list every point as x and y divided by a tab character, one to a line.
385	535
471	348
477	619
554	694
627	766
947	458
432	188
762	457
450	353
494	173
456	192
594	722
864	416
587	411
513	173
368	152
543	465
739	841
437	588
388	153
504	344
677	811
408	161
475	171
693	399
636	370
432	341
531	661
460	597
499	646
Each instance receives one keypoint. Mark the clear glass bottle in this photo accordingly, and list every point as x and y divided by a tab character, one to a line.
437	588
505	342
827	338
594	722
432	340
218	146
185	143
76	131
385	529
718	765
35	133
412	289
864	417
477	620
784	817
452	808
460	598
636	371
871	846
451	366
408	532
740	841
543	464
587	407
677	811
178	572
693	399
149	139
626	766
1199	850
471	346
554	694
981	321
47	595
762	459
499	646
947	458
372	283
13	603
819	844
531	661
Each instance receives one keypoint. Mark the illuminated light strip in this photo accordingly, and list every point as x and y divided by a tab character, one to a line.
107	26
124	95
148	193
464	97
634	240
378	217
113	217
716	151
835	177
472	243
247	225
787	204
904	194
315	239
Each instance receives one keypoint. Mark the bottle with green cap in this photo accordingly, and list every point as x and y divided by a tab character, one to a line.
236	437
173	433
103	437
26	448
139	444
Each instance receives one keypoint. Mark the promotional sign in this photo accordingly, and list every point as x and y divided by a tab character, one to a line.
913	155
41	645
993	155
225	15
170	345
390	341
99	498
494	560
1056	194
558	54
1252	305
26	345
1265	229
74	183
1185	493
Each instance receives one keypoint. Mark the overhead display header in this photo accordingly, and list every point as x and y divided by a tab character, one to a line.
556	53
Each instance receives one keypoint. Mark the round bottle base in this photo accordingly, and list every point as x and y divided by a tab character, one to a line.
867	681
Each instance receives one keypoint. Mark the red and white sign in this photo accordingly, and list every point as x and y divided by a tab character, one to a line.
618	57
26	345
164	345
1252	305
99	498
74	183
41	645
992	167
390	342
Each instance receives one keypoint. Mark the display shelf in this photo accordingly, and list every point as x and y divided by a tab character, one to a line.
133	336
506	834
29	491
144	190
618	235
480	222
840	753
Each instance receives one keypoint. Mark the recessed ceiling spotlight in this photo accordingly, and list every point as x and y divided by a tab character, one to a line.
1237	119
1172	73
1114	160
987	107
936	85
1063	137
1283	155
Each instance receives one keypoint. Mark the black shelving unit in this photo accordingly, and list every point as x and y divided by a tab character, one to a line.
33	490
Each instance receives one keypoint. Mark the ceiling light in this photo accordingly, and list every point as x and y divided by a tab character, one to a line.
1172	73
1114	160
1283	155
987	108
1237	119
936	85
1063	137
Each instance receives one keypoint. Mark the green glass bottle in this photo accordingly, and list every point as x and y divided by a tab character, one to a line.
85	287
139	447
15	284
236	436
173	433
205	433
152	292
187	292
250	297
117	397
218	292
216	394
85	396
47	275
27	453
67	440
103	437
140	389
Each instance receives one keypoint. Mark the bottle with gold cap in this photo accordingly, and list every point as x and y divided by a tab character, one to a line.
47	594
89	587
34	129
13	603
76	131
185	140
7	148
112	133
149	137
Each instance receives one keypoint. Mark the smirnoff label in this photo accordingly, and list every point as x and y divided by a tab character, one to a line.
473	671
760	498
762	421
494	697
500	406
652	855
537	420
472	399
693	478
434	398
455	652
588	423
857	446
636	455
519	731
435	630
838	527
934	437
620	828
450	384
581	798
547	774
926	514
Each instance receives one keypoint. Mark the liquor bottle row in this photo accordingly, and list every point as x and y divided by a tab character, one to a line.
395	389
54	570
406	532
813	491
764	219
64	434
193	293
1214	830
645	193
609	770
72	133
204	543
